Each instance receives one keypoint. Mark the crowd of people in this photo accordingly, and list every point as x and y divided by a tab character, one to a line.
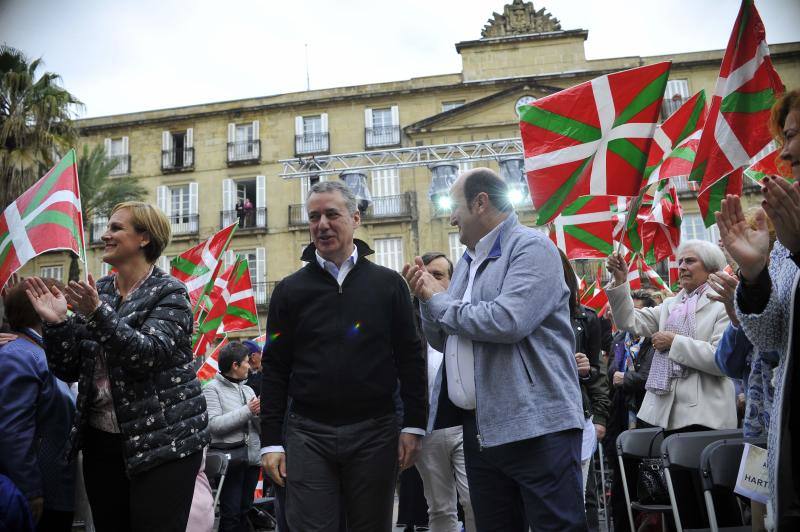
487	377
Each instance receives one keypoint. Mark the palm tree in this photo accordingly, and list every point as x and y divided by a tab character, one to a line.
36	125
99	194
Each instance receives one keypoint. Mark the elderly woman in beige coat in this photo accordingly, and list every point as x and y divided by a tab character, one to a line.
685	389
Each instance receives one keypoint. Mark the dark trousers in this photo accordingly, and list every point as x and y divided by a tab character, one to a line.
412	508
55	521
236	497
535	482
155	500
328	467
592	518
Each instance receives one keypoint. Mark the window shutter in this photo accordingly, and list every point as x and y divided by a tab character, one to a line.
107	146
261	191
228	191
166	147
324	122
166	140
298	126
193	198
368	117
228	258
231	140
395	115
163	263
260	266
162	199
125	146
255	130
188	145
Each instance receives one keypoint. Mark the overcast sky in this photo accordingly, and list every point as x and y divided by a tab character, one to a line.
122	56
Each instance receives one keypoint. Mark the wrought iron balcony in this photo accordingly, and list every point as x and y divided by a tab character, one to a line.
184	224
311	143
255	218
375	137
177	160
382	207
262	292
244	152
123	164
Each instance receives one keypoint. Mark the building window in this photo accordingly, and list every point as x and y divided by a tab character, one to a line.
386	197
311	134
693	228
389	253
244	200
243	142
382	127
177	150
117	150
447	106
179	203
457	249
676	93
52	272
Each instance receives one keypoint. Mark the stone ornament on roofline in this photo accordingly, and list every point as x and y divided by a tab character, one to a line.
520	18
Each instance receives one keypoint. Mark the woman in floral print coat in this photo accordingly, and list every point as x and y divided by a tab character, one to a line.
141	417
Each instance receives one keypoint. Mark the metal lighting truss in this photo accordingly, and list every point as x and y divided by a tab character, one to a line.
478	150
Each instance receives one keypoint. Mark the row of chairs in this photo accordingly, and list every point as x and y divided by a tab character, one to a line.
216	468
713	455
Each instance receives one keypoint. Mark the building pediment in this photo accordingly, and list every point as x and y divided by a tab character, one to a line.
497	108
520	18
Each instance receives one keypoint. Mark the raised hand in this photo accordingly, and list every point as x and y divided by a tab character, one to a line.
782	203
616	266
83	296
723	288
422	284
50	304
748	247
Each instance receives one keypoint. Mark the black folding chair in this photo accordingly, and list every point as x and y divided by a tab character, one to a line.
719	468
216	467
637	444
682	451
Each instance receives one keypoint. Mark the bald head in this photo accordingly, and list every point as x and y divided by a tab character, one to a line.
480	203
485	180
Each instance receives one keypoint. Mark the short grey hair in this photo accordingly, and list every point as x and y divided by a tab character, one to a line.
326	187
710	254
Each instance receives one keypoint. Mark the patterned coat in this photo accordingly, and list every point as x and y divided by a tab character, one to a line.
771	330
146	339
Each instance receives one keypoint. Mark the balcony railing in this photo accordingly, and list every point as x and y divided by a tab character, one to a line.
398	206
375	137
123	164
311	143
262	292
184	224
255	218
244	151
177	160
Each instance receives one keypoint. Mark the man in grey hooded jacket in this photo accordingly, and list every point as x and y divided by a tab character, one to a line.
504	327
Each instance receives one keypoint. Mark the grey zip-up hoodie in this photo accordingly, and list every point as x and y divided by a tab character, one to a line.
526	378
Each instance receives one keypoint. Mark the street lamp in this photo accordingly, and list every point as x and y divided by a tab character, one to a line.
356	181
512	170
443	175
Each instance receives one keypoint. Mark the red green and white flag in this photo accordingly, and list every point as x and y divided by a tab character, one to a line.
661	231
736	127
633	278
584	229
628	229
591	139
211	365
198	266
674	274
675	142
769	163
653	277
231	303
46	217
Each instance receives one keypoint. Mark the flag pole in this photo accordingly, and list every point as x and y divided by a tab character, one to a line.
82	233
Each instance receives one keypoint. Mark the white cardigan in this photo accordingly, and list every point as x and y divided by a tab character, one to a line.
705	396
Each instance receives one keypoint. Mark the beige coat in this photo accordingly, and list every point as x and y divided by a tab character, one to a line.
705	396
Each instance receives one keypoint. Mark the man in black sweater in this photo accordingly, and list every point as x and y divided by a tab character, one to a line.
342	334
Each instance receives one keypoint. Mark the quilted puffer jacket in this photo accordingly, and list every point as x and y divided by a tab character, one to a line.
146	339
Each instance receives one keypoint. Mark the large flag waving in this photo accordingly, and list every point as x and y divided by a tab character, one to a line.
736	127
47	217
591	139
583	230
198	266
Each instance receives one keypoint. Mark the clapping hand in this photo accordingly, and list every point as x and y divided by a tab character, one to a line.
748	247
723	290
782	203
422	284
83	296
254	404
49	303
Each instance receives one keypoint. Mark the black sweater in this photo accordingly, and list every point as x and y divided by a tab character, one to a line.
339	351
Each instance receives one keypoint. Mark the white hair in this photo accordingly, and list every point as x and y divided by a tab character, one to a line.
710	254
